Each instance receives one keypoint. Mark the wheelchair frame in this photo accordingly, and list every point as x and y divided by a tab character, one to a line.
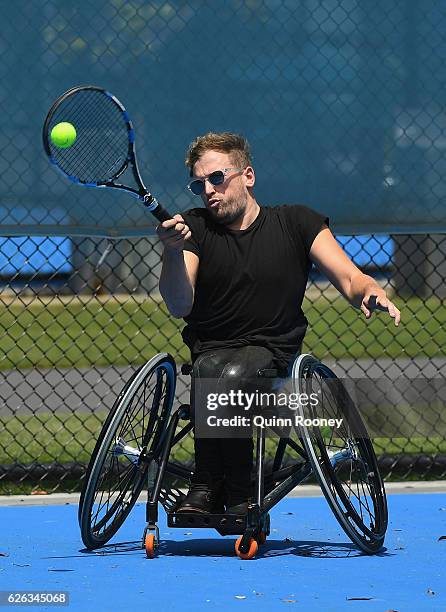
146	460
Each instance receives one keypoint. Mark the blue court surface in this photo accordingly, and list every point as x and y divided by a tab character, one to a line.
307	563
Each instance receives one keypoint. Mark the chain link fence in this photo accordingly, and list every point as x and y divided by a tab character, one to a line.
344	104
71	339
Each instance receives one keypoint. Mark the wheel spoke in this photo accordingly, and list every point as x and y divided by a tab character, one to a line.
343	458
116	475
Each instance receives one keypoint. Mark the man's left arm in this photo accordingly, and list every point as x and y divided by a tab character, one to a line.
361	290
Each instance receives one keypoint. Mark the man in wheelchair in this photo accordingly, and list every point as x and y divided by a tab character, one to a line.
236	272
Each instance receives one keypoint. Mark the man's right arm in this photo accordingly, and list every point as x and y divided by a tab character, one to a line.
179	267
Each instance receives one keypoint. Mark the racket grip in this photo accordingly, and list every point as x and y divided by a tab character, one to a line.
156	209
161	213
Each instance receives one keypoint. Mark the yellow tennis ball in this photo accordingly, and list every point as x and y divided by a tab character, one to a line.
63	135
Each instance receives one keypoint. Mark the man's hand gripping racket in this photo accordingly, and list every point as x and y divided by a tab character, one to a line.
103	147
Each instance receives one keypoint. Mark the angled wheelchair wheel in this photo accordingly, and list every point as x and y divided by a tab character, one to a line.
343	458
131	438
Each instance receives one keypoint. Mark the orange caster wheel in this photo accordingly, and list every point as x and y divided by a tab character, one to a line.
261	538
150	545
253	548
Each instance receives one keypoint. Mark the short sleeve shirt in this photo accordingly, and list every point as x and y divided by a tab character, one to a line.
251	283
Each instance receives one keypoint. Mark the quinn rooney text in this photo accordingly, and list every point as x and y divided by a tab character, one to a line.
261	421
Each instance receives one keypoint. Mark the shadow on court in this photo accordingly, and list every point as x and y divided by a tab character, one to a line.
211	547
307	561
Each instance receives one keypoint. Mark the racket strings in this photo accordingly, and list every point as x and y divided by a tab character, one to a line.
100	151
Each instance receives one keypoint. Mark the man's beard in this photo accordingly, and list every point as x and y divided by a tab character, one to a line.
229	210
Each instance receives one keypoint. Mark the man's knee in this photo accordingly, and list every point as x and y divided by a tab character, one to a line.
233	364
225	371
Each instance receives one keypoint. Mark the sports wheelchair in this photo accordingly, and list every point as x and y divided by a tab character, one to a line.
134	447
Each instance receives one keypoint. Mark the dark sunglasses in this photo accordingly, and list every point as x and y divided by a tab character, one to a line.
215	178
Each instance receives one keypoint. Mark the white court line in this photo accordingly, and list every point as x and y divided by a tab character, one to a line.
60	499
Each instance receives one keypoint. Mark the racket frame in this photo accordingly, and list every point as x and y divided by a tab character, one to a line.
141	192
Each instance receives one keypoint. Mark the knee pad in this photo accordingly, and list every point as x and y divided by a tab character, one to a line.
230	369
234	363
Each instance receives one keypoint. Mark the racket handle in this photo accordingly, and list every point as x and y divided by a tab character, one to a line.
156	209
161	213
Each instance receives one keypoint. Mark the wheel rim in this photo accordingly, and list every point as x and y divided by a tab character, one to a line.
125	452
356	479
347	461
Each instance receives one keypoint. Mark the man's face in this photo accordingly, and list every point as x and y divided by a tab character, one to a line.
228	201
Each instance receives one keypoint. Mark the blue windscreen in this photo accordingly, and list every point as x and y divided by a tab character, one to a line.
343	103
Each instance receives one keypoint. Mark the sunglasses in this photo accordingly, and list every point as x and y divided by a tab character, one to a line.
215	178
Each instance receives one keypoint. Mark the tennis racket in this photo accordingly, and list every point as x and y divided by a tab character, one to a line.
104	147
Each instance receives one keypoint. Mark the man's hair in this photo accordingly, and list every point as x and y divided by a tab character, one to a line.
225	142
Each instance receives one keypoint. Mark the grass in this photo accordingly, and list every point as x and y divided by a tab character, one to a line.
48	439
336	330
59	334
61	438
79	332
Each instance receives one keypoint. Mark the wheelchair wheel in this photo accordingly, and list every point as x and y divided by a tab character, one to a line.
343	459
130	439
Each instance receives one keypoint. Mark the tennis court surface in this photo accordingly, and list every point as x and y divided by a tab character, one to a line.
307	562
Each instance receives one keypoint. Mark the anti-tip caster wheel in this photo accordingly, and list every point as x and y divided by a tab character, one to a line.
253	548
150	545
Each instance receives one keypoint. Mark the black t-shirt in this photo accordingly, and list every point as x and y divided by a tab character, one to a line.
251	282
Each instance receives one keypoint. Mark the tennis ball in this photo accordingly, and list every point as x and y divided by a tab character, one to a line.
63	135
